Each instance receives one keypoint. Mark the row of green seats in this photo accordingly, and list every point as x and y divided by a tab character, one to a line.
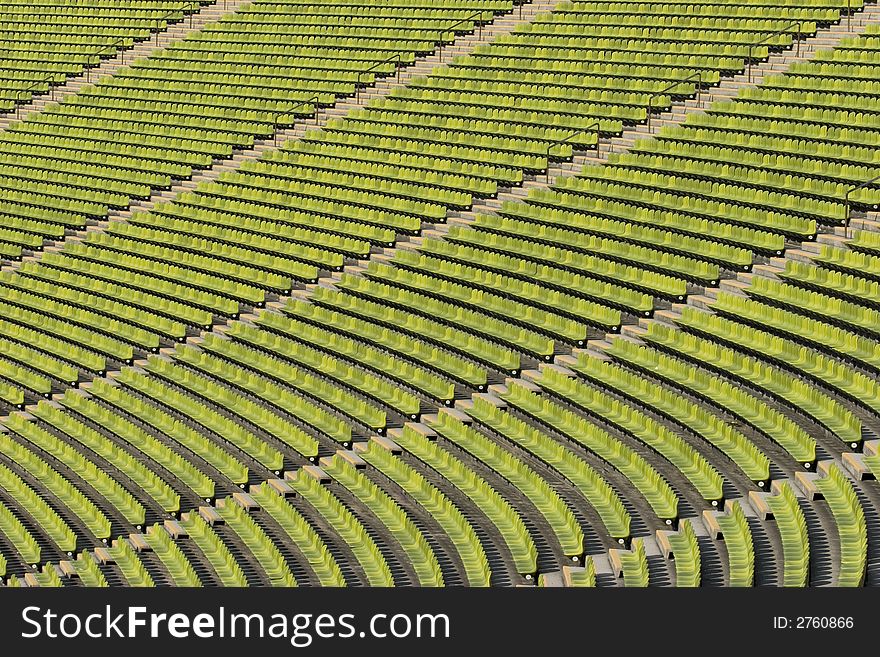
311	386
849	517
495	287
120	404
386	180
47	577
539	492
651	226
269	266
241	279
555	278
325	364
745	454
595	489
18	535
720	331
80	308
43	44
221	210
82	289
178	566
647	480
216	551
127	561
297	528
763	210
72	458
235	376
45	517
407	534
686	552
855	316
376	335
400	214
450	336
146	478
634	565
767	9
363	355
223	396
467	544
519	338
793	532
740	545
715	343
80	506
611	248
543	320
703	476
821	335
206	416
569	259
550	212
128	279
685	370
258	543
526	145
413	165
710	153
833	283
346	525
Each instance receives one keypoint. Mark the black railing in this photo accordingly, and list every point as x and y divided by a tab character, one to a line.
470	19
19	95
797	37
698	75
101	51
275	119
164	20
846	202
589	129
394	58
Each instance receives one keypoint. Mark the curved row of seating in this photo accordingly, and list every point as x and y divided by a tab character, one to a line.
217	90
378	348
44	43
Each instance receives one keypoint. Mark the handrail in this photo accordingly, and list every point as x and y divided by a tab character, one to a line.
653	95
590	128
101	51
800	27
313	100
36	84
192	4
846	202
451	28
398	57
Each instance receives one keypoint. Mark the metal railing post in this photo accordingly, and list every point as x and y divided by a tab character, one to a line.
590	128
846	202
164	19
698	75
800	27
451	28
313	99
22	92
397	57
101	51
